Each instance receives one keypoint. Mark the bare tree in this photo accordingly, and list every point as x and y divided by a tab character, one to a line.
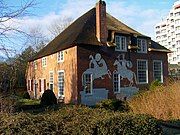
59	25
8	14
10	68
36	39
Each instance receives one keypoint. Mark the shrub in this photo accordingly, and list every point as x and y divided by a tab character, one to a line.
129	124
26	95
7	103
78	120
113	104
161	103
155	84
48	98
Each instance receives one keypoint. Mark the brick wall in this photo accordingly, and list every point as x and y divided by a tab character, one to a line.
109	55
70	70
74	67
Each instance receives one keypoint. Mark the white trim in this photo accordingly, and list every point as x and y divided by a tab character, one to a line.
146	49
42	80
52	56
44	59
35	87
147	78
125	50
119	83
91	86
162	79
59	58
61	71
53	79
35	64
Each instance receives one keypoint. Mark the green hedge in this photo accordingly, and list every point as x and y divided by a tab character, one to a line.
114	105
78	120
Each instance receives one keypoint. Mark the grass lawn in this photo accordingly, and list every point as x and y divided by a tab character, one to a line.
28	102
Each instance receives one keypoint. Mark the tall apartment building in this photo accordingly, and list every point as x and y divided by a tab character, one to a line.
168	33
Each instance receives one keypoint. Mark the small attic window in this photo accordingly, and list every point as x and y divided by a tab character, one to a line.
142	45
121	44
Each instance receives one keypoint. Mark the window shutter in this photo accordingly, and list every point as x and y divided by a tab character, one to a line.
32	84
39	85
44	84
28	85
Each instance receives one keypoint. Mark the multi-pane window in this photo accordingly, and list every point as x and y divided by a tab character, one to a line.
44	62
142	71
121	44
61	83
51	80
87	79
35	64
60	56
157	70
116	82
142	45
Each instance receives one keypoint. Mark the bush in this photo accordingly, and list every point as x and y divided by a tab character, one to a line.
127	124
48	98
161	103
26	95
7	103
78	120
113	104
155	84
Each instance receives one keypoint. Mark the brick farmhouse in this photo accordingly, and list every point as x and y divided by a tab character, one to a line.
95	58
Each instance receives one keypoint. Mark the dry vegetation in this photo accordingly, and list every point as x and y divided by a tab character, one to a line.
163	102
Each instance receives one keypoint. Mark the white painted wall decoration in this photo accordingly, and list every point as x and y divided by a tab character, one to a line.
122	68
97	67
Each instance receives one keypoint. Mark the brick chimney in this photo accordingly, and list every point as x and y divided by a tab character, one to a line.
101	27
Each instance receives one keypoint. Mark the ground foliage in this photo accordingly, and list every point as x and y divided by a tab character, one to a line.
78	120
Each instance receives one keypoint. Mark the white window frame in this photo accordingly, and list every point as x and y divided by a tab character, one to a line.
138	60
118	81
60	95
51	82
52	56
42	85
160	71
35	88
44	61
60	56
35	64
119	43
85	82
141	50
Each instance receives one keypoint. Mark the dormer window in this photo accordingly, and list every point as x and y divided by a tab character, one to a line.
121	44
142	46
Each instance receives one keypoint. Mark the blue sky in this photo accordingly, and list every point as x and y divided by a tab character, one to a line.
141	15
